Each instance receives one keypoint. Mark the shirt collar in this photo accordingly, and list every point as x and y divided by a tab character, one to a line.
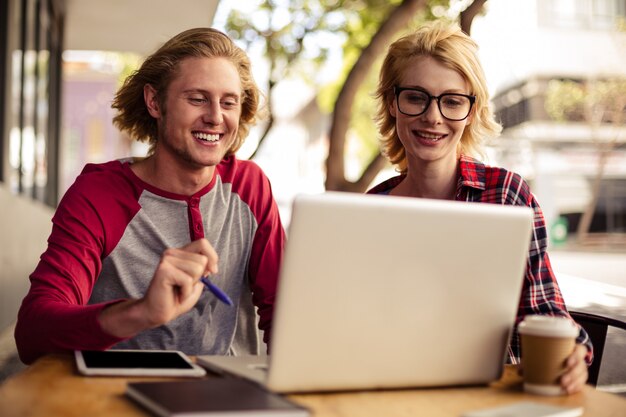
472	173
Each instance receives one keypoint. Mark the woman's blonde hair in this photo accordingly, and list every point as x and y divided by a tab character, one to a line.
161	67
450	46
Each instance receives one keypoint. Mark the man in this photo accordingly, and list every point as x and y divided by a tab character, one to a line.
131	239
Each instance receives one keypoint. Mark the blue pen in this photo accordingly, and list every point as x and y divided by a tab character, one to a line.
221	295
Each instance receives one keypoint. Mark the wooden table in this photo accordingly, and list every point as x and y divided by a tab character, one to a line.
52	387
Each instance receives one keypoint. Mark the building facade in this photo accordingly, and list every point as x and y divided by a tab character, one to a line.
557	74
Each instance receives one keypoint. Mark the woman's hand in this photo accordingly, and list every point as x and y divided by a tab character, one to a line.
576	374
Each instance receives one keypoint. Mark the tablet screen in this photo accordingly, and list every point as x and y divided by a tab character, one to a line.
136	362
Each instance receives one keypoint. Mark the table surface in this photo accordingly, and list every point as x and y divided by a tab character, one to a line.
52	387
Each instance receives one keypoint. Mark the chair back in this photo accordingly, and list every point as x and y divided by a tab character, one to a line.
596	327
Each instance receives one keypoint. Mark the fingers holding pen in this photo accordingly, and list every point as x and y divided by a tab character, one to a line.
174	289
195	260
204	248
176	285
184	269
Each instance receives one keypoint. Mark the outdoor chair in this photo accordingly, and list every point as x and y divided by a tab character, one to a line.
597	327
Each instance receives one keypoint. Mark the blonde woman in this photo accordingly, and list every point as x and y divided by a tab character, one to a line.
433	116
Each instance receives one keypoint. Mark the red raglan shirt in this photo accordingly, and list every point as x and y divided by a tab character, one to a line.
108	235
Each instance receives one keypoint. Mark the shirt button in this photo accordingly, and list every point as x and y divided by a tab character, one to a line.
198	227
194	202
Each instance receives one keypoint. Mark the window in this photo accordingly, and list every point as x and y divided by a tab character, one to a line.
581	14
30	124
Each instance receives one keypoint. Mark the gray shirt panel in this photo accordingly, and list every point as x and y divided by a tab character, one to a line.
211	327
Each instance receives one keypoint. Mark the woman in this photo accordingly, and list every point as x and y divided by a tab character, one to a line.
433	115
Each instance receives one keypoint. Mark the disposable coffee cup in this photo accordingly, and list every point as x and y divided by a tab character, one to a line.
547	342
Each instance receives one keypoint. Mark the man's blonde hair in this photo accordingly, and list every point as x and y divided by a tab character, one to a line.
449	45
161	67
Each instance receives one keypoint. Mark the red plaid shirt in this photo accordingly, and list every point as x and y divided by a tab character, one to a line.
540	293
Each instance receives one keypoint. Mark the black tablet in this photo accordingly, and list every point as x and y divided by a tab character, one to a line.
136	363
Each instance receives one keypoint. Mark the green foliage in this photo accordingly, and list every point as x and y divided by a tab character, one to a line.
359	34
129	63
564	99
602	100
297	37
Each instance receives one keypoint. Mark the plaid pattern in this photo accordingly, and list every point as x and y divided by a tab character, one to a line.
540	293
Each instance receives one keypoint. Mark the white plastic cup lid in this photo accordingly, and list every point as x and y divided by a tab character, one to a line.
548	326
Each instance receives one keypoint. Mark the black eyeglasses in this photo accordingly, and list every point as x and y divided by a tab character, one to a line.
452	106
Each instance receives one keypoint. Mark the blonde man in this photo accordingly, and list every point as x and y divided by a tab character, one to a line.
131	239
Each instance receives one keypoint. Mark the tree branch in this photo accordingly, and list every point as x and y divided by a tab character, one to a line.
468	15
399	17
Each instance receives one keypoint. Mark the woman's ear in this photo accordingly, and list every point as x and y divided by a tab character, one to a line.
391	104
152	103
470	118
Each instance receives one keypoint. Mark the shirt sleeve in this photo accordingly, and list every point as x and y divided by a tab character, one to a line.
54	315
540	292
266	254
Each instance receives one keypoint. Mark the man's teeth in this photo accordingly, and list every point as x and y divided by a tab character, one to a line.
207	137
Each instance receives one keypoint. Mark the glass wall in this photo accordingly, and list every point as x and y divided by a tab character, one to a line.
30	128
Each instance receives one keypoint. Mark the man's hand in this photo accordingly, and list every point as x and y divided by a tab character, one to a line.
175	288
576	373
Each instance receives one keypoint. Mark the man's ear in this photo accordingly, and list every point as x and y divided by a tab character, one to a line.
150	97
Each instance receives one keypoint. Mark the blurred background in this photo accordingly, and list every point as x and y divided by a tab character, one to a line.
556	71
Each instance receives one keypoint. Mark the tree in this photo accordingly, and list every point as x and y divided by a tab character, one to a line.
467	16
595	103
367	27
335	166
283	28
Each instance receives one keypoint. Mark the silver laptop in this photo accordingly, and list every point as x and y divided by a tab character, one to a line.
390	292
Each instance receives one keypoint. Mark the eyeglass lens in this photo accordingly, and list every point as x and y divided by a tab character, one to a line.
451	106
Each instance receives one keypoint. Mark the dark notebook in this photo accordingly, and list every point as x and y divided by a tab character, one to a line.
212	397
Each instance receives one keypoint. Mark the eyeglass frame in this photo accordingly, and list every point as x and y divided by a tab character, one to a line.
397	90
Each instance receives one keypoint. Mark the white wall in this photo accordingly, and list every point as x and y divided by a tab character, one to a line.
514	47
24	229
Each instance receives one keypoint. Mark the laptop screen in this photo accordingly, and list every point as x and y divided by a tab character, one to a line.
381	291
